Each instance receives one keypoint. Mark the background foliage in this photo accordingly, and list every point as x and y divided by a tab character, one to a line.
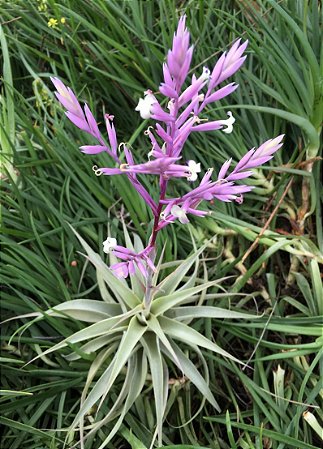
109	53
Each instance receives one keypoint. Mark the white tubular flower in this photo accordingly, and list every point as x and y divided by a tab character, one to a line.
205	74
228	123
194	169
109	244
179	213
144	105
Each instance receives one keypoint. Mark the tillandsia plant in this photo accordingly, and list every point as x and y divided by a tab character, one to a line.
144	328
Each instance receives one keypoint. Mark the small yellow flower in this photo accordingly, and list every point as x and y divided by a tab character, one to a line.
52	23
63	20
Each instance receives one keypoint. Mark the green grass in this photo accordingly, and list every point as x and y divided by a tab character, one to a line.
109	53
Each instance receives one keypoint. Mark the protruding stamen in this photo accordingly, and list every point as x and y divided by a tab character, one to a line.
147	132
97	171
124	167
121	145
200	120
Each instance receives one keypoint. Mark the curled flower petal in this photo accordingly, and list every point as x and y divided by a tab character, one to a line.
109	244
228	123
144	105
194	168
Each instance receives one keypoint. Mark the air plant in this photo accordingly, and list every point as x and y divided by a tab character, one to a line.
144	328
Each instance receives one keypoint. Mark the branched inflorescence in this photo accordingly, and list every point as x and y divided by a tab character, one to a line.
167	141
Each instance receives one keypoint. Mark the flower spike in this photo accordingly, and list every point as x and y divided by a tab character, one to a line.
176	122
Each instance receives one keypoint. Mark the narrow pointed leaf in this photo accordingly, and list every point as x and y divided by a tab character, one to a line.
164	303
154	325
152	350
194	376
171	282
129	340
186	334
184	313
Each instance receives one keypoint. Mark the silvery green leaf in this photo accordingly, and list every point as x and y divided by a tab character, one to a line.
171	282
152	349
184	313
104	327
186	334
88	310
193	374
164	303
128	342
95	366
154	325
104	292
115	409
92	346
139	374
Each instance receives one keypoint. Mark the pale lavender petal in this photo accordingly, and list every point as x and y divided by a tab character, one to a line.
221	93
163	134
231	55
131	268
153	141
121	255
244	161
75	102
185	114
66	102
58	83
128	155
142	268
259	161
111	171
112	136
80	123
150	264
124	250
217	71
208	126
207	196
224	169
93	149
193	89
206	177
237	176
67	97
157	113
198	213
120	270
225	198
186	65
168	91
92	123
231	69
167	77
144	194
